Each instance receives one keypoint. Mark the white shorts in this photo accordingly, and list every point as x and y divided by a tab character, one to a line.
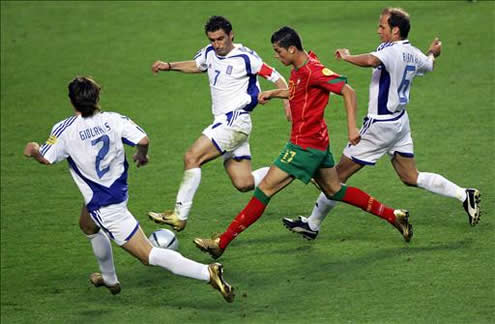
391	136
230	134
117	222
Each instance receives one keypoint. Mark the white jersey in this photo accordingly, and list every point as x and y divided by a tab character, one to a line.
391	80
233	78
93	146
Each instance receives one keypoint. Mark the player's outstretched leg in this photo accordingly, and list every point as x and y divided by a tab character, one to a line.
218	282
97	280
401	223
472	205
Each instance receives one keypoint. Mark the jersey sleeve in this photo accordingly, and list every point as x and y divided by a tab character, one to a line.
131	132
200	58
328	80
268	73
425	64
54	149
385	54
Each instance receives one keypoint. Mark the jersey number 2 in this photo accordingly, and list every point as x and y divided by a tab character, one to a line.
101	154
404	84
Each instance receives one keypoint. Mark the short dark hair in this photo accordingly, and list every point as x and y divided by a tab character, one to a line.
84	94
286	37
215	23
398	18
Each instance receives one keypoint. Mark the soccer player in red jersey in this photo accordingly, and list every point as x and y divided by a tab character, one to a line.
307	155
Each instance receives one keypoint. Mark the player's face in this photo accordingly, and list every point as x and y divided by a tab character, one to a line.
282	54
221	41
384	30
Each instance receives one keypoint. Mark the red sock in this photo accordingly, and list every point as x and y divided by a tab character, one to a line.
250	214
361	199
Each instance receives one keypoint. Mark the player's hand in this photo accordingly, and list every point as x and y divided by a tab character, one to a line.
354	136
341	53
288	114
264	97
160	66
140	159
30	148
435	47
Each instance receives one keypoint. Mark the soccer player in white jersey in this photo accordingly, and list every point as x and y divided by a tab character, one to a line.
92	142
232	72
386	128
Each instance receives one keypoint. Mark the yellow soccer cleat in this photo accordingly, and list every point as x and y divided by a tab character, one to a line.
211	246
168	218
218	283
97	280
402	224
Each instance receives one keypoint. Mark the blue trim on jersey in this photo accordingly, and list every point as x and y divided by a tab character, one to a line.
384	45
242	157
253	92
217	146
383	90
390	119
216	125
97	219
362	162
404	154
132	233
103	196
126	141
57	132
208	49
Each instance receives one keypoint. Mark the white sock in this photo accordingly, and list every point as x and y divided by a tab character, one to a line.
259	174
322	207
102	249
178	265
189	185
437	184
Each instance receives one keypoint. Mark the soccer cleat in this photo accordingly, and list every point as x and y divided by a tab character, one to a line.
402	224
97	280
218	283
472	205
211	246
169	218
300	226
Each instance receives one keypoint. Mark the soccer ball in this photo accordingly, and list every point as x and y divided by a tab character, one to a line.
164	239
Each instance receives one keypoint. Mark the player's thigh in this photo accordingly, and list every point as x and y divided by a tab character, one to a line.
274	181
200	152
139	246
328	180
406	169
239	171
346	168
87	225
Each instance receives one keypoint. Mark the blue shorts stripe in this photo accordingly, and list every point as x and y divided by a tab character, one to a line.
133	232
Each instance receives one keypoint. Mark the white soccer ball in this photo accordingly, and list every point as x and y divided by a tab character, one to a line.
164	239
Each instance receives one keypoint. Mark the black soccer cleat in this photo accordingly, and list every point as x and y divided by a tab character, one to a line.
472	205
300	226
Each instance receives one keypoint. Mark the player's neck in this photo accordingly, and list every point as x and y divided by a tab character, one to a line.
300	60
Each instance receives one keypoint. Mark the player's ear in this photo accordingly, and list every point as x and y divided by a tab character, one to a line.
292	49
231	36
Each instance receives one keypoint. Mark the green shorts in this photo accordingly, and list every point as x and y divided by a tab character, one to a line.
303	163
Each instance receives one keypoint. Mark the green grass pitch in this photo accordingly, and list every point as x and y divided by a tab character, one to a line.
358	270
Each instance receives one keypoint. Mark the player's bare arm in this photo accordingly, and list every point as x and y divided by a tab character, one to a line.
350	104
282	84
184	66
141	156
363	60
32	149
265	96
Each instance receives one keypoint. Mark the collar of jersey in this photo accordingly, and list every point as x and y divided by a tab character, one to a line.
305	62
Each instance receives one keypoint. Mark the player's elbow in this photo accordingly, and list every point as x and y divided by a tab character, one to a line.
145	141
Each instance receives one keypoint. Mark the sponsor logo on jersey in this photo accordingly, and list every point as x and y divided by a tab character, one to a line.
327	72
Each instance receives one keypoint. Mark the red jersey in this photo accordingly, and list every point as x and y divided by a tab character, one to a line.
309	88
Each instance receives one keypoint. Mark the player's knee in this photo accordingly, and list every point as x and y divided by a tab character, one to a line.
191	160
244	185
88	229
